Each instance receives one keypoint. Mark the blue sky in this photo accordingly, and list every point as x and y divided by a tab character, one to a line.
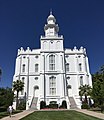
22	22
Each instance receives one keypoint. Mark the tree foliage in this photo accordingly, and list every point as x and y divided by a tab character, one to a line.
6	97
42	104
98	87
64	104
85	90
18	86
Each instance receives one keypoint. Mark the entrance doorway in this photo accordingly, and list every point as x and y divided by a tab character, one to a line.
69	87
36	91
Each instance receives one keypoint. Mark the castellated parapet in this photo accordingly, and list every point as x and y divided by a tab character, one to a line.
81	50
28	51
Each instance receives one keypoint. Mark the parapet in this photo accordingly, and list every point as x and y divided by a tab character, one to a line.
28	51
81	50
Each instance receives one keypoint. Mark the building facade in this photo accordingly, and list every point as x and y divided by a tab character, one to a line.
52	73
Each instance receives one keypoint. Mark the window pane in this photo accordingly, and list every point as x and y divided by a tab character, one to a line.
81	81
80	67
23	68
52	85
67	67
52	62
36	67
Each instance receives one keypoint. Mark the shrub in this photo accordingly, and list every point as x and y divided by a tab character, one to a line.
64	105
102	108
54	106
22	105
47	106
3	109
42	104
85	106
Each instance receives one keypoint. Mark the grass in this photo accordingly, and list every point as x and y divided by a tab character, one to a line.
58	115
4	114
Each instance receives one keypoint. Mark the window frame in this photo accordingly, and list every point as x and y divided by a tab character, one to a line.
81	80
80	67
52	85
23	68
36	67
52	62
67	67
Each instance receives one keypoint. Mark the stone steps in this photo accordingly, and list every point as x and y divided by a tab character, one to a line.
34	103
72	103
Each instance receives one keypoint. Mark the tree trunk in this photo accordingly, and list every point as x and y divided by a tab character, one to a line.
86	99
80	98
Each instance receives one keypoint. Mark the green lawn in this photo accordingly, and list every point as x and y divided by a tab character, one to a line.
3	114
58	115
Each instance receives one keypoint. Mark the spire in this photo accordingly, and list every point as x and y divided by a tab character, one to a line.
51	17
51	28
50	11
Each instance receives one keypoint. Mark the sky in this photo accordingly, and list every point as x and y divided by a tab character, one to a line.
81	22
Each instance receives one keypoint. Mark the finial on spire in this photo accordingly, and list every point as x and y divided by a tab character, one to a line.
51	11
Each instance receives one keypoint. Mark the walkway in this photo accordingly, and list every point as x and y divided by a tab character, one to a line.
27	112
18	115
91	113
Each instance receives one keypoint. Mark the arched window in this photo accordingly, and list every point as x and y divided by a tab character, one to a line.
23	68
36	87
52	62
52	85
81	80
67	67
36	67
44	45
80	67
58	45
22	92
36	78
69	86
23	79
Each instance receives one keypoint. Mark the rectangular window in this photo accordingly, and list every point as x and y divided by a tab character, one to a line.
52	62
52	85
36	67
23	68
81	80
67	67
80	67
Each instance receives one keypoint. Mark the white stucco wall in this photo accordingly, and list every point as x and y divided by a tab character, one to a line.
52	44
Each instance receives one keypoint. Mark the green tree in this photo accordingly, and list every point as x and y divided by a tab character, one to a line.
85	90
96	94
6	97
98	88
18	86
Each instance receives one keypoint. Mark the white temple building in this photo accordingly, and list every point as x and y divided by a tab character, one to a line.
52	73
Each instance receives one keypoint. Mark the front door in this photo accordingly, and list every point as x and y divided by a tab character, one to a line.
70	91
36	91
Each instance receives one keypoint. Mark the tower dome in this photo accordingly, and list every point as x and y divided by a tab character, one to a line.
51	17
51	28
